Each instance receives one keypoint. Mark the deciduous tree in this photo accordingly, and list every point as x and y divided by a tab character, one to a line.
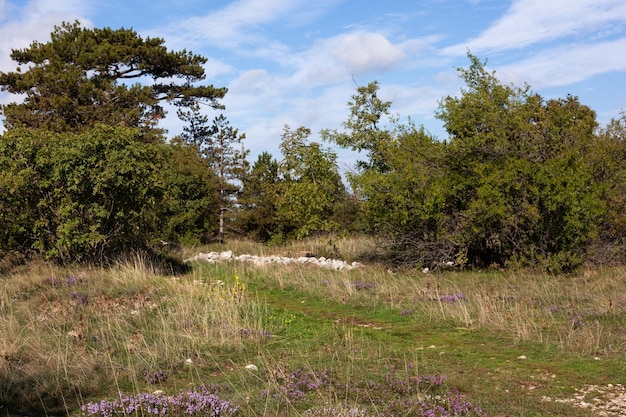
310	187
364	130
220	145
257	216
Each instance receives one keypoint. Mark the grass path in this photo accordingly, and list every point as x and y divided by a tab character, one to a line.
504	377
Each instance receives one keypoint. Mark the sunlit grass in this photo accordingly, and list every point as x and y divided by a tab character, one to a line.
80	335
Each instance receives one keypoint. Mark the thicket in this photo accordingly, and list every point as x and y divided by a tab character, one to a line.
97	194
520	181
88	175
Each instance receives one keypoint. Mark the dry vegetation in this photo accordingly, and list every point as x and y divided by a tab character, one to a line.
74	336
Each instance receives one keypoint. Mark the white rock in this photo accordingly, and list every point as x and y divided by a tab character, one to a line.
226	255
521	357
322	262
252	367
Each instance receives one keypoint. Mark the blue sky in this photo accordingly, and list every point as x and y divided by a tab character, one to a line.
295	61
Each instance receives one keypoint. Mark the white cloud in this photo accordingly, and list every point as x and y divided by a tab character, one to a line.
341	57
42	10
569	65
215	68
365	52
239	23
529	22
3	9
35	21
265	114
253	81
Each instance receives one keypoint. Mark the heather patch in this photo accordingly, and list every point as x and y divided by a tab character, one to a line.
197	402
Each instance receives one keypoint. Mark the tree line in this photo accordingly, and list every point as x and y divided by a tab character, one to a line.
87	174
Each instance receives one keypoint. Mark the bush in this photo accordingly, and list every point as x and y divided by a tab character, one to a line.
93	195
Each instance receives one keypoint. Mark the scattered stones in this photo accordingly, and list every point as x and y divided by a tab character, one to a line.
322	262
252	368
609	400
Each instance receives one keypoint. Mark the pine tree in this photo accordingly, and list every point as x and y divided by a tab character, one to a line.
82	77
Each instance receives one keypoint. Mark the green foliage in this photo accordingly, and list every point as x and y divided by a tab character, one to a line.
310	187
217	145
95	194
608	158
519	181
299	196
363	130
406	204
257	215
86	174
80	79
524	190
197	131
192	201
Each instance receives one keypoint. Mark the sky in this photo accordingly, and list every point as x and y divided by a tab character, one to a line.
297	62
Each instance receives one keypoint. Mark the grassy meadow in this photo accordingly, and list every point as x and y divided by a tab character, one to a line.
230	338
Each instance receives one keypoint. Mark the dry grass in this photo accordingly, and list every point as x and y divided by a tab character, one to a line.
72	334
346	248
582	313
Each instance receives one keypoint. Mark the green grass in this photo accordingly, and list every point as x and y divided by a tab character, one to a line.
508	342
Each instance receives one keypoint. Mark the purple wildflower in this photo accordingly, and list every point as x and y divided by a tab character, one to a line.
199	402
80	298
299	383
451	298
157	377
363	285
67	282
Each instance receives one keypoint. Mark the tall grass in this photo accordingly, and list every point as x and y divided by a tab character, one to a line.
323	342
67	334
580	313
